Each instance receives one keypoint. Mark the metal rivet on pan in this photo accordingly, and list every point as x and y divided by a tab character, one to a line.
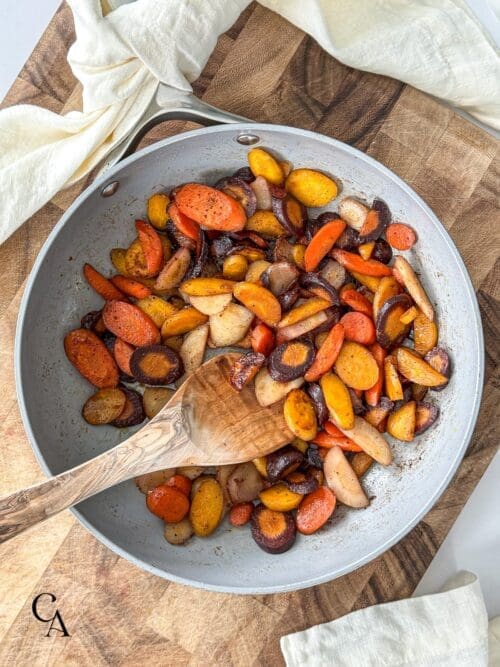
110	189
247	139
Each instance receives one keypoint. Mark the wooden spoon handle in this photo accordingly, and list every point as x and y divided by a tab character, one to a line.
158	444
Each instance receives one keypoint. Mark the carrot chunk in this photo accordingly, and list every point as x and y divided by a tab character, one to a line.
180	482
184	224
315	510
130	323
123	352
152	247
400	236
131	287
322	242
240	514
262	339
327	354
328	441
90	357
210	207
168	503
100	284
353	262
359	328
356	301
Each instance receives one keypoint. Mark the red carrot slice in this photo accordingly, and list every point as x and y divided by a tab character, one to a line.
168	503
131	287
374	394
322	242
130	323
240	514
400	236
356	301
151	245
327	354
90	357
210	207
184	224
123	351
180	482
262	339
353	262
359	328
315	510
328	441
100	284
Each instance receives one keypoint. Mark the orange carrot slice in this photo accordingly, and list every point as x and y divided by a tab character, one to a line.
130	323
315	510
100	284
327	354
182	483
210	207
184	224
331	429
123	352
328	441
400	236
359	328
240	514
322	242
373	395
168	503
262	339
353	262
131	287
356	301
90	357
152	246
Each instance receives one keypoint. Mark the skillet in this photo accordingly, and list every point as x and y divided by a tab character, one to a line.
51	393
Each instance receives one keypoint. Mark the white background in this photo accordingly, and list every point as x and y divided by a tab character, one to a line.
474	542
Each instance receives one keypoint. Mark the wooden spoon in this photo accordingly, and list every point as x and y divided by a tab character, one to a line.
205	423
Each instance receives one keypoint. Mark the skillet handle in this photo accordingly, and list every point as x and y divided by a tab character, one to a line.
169	104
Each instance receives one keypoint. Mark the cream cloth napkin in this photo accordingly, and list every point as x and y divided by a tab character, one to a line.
448	629
435	45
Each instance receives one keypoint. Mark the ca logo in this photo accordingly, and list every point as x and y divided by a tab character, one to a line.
56	621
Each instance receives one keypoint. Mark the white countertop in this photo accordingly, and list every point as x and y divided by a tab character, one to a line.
474	541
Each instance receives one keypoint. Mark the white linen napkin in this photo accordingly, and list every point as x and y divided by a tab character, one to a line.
435	45
449	629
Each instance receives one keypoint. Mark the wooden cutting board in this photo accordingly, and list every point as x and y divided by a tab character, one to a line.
265	69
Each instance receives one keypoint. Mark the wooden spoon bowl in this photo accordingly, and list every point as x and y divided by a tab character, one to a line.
205	423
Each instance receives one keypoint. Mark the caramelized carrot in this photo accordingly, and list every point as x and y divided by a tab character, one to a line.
359	328
168	503
331	429
210	207
100	284
184	224
151	245
327	354
262	339
315	510
180	482
123	351
353	262
356	301
90	357
328	441
240	514
130	323
131	287
373	395
322	242
400	236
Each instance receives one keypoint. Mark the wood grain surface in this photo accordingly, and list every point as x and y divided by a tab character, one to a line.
116	614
